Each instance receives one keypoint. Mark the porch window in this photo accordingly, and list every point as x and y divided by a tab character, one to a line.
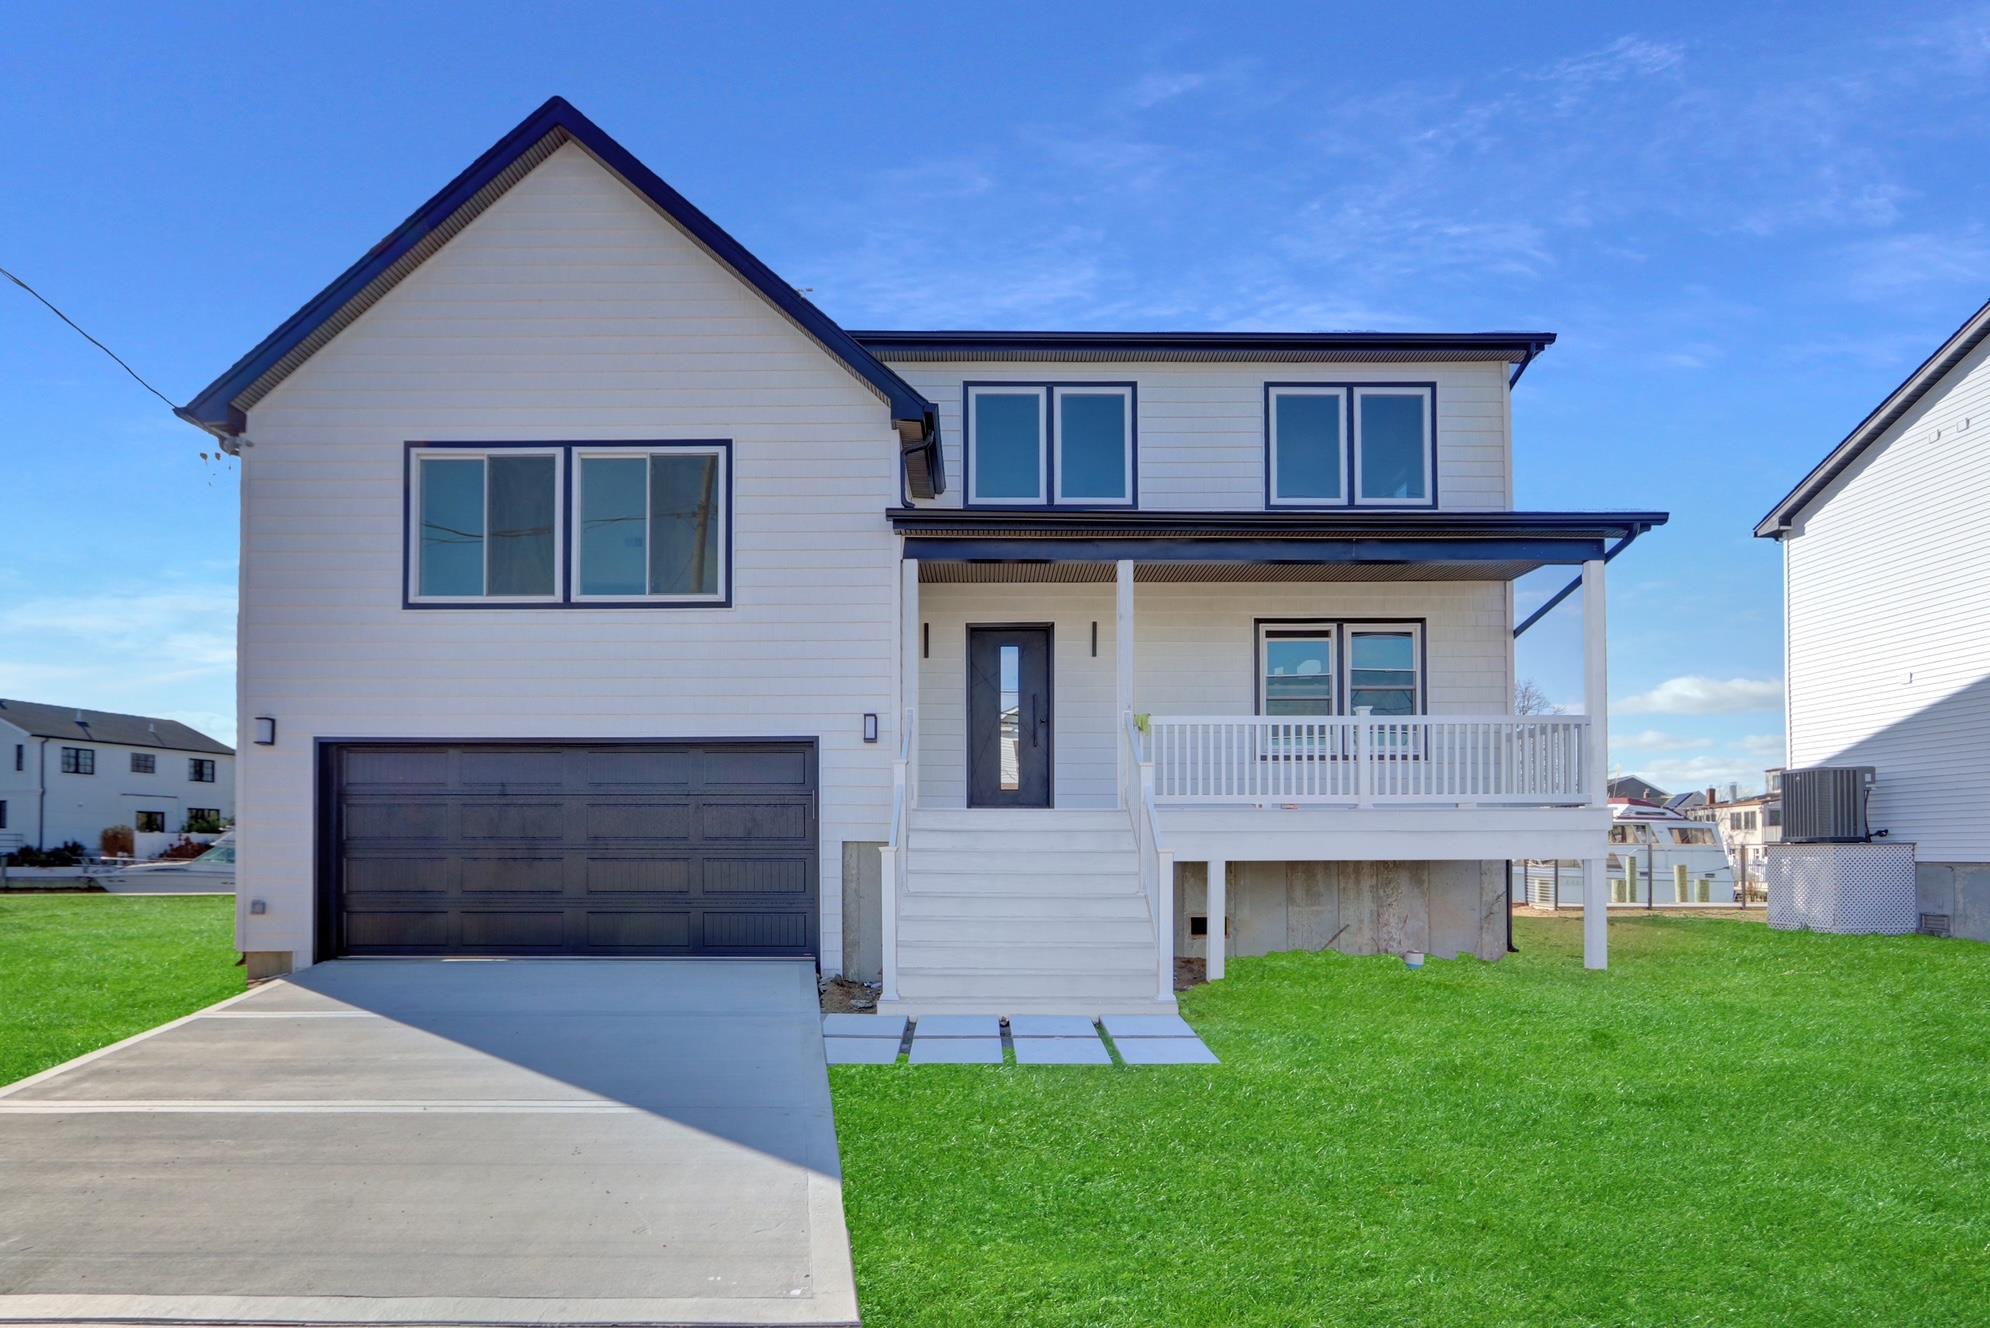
1050	444
1298	673
1340	668
1383	672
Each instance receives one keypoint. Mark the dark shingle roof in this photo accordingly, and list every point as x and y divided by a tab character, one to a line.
77	725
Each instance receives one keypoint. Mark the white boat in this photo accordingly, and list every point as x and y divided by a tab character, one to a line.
1658	859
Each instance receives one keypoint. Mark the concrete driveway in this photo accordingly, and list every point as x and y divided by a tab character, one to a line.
424	1141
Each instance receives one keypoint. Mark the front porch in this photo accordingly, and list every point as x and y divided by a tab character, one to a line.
1145	705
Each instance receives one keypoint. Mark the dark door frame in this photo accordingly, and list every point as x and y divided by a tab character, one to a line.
1049	631
327	829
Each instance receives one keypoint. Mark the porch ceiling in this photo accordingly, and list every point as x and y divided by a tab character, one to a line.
970	545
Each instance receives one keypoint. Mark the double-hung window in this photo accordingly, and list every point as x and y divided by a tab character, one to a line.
200	770
79	761
1350	445
1321	669
1050	444
144	763
570	525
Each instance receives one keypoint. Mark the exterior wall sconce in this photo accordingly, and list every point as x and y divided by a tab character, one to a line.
870	728
265	731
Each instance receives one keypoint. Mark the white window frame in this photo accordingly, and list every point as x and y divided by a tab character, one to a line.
1427	396
1042	395
418	455
1058	393
1414	631
1305	629
1276	394
645	452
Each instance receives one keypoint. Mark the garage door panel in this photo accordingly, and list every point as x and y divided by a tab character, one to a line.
638	875
638	820
580	848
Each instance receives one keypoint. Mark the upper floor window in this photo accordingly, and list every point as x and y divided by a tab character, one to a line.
144	763
1044	444
200	770
20	755
570	525
1350	444
79	761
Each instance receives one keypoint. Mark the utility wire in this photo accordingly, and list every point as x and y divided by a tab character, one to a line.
92	340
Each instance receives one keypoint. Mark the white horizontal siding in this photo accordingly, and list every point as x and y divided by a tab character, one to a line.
568	311
1201	426
1889	638
1195	653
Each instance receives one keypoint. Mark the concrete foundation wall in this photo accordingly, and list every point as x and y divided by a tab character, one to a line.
1959	889
863	916
1444	909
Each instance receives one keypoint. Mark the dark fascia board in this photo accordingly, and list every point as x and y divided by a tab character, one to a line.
1516	345
951	522
213	407
1884	416
1351	550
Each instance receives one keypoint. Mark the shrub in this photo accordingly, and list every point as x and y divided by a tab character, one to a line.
67	855
185	848
117	841
204	825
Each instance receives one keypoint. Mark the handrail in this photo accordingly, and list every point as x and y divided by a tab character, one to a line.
1157	862
893	862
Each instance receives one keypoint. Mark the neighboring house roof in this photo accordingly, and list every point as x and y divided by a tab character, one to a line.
1884	417
221	407
74	725
1680	802
1630	786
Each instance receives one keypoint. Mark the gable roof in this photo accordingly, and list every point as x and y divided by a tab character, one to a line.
1888	413
221	407
68	722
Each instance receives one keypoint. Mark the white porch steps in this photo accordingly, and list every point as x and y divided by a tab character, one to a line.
1024	912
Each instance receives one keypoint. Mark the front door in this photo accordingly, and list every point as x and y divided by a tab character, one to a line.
1008	717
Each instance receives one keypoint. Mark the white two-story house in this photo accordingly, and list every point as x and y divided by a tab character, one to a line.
600	595
1887	642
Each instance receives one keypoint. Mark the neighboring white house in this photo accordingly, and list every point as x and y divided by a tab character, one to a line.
68	774
1886	582
1747	827
603	596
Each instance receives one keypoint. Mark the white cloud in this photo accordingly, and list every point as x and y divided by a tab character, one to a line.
1684	774
1653	740
1696	695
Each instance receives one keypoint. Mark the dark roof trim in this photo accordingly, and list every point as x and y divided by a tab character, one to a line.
935	523
1887	414
1516	555
215	408
1506	347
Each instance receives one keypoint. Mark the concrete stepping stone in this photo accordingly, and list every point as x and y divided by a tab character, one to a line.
1051	1026
1147	1026
864	1026
957	1026
1060	1051
1165	1051
956	1050
860	1051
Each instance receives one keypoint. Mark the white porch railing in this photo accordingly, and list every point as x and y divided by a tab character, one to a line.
1530	760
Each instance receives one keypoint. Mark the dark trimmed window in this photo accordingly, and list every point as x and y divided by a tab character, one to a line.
1350	444
151	823
200	770
79	761
144	763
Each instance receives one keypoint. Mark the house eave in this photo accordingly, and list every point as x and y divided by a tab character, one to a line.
917	346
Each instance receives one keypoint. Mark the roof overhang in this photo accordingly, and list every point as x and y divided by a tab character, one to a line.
1205	347
221	407
982	545
1887	414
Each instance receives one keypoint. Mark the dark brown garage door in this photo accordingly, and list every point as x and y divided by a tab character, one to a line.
583	848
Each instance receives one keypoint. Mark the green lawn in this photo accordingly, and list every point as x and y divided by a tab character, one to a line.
1731	1126
78	972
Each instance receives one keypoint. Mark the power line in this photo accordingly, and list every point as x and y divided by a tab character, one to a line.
92	340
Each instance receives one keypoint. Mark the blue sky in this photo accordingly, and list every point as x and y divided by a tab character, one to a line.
1746	222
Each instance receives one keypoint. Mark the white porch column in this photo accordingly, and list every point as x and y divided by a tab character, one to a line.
1218	906
1596	706
909	633
1123	677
